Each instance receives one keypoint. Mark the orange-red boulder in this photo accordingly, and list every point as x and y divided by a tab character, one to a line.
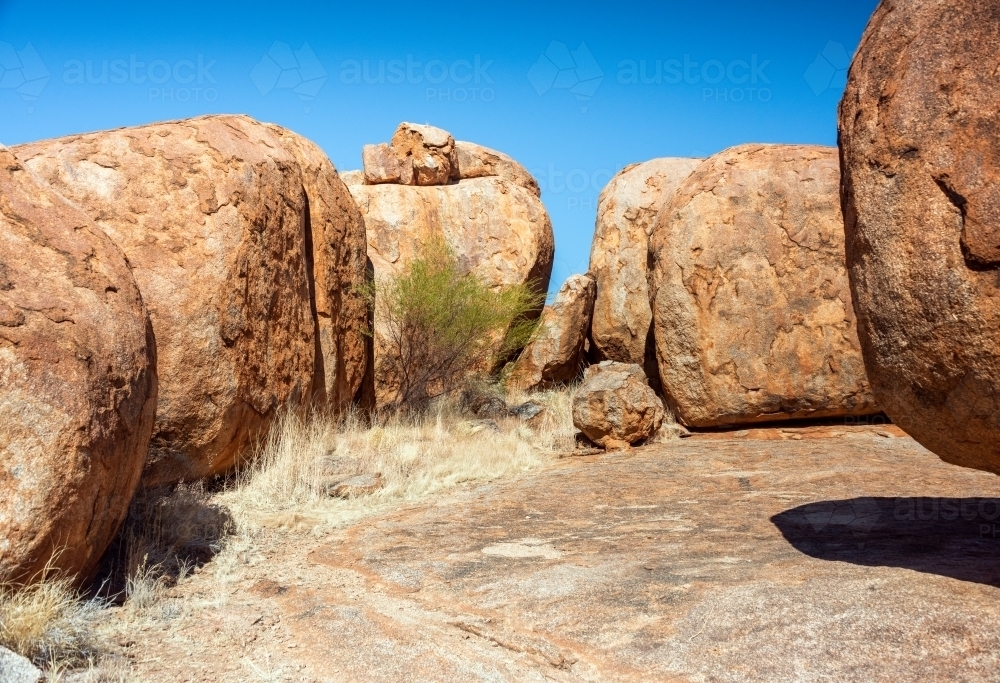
77	382
751	307
213	215
919	132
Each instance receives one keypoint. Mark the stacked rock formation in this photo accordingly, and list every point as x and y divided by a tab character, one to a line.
626	214
919	125
496	224
751	306
554	355
77	382
247	253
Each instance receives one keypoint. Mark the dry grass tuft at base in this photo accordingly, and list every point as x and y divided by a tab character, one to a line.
50	623
292	480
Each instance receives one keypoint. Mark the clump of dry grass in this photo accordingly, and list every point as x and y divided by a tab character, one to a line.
290	480
50	623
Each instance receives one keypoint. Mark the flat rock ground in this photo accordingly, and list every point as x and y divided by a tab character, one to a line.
833	554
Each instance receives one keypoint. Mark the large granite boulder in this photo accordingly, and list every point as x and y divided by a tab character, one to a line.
919	131
751	306
77	382
626	213
500	232
212	215
554	354
614	406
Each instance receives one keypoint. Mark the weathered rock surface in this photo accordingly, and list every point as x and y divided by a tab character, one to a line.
500	231
428	150
919	126
752	311
17	669
554	355
476	161
381	165
718	558
614	406
626	213
77	382
335	240
211	215
354	177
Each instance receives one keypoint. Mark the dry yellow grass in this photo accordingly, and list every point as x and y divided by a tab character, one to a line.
288	484
49	623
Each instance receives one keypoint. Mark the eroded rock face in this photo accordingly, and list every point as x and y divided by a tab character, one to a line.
500	231
615	407
752	311
77	382
335	234
919	125
476	161
626	213
211	215
554	355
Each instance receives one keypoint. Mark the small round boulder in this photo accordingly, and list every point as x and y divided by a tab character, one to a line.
615	407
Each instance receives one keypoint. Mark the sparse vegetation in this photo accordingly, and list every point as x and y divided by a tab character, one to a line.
437	324
290	481
50	623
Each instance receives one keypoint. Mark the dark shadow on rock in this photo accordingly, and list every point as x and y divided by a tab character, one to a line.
953	537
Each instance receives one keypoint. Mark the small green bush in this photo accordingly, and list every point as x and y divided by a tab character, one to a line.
437	325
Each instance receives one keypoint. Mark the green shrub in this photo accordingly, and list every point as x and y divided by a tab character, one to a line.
436	325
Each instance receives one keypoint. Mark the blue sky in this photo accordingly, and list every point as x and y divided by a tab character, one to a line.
573	91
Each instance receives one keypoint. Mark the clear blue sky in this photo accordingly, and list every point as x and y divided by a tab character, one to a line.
654	79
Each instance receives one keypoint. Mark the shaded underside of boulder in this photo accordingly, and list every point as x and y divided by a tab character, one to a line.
77	383
919	131
752	311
